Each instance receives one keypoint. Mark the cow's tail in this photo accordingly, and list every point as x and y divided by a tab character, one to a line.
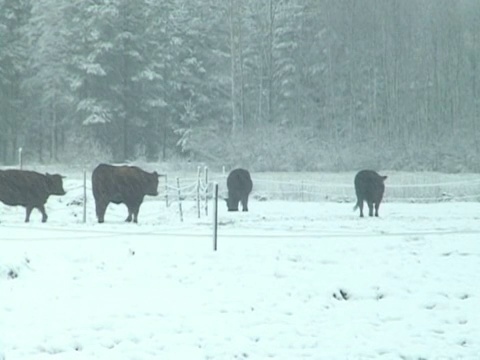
356	206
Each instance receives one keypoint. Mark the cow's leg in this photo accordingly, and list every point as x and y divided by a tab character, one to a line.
136	209
370	208
41	208
377	206
133	213
233	204
100	209
130	213
245	203
360	205
29	209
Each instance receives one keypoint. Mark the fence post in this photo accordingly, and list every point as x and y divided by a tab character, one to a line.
166	190
303	191
206	190
215	218
179	199
198	191
84	196
20	158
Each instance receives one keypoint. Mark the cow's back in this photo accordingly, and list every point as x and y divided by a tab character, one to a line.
239	181
107	182
369	185
118	183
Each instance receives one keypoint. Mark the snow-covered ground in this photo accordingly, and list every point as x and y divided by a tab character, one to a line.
290	280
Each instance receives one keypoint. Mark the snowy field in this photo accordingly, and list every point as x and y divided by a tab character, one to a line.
290	280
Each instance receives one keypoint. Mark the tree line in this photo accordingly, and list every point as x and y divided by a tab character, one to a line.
272	85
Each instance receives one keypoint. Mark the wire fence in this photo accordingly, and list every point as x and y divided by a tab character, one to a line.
200	190
419	189
265	189
315	187
58	234
407	189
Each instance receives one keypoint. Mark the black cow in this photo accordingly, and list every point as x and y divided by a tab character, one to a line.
369	186
239	184
29	189
122	184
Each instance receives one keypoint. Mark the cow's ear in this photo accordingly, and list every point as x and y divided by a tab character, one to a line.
384	178
63	176
156	174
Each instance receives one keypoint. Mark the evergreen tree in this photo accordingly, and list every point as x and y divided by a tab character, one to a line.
47	79
13	17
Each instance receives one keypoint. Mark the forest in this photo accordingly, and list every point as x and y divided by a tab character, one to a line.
284	85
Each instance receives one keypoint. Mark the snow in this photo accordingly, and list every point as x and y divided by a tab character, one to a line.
290	280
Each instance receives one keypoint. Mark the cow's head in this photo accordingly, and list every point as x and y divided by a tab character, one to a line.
151	184
232	205
55	184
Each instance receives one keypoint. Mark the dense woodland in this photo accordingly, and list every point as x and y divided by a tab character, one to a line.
271	84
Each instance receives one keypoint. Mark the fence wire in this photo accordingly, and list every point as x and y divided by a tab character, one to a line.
265	189
273	189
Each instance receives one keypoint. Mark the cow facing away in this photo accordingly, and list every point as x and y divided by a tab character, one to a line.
29	189
122	184
369	187
239	185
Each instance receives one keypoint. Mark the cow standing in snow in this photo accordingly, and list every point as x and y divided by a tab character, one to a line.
29	189
369	187
122	184
239	184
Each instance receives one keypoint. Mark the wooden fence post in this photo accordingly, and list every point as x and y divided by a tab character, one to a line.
303	191
206	190
84	196
20	158
179	200
215	219
198	192
166	190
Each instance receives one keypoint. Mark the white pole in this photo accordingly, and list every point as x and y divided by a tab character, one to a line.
84	196
179	200
215	219
166	190
20	158
206	190
198	191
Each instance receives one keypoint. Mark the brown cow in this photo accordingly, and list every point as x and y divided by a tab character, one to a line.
29	189
122	184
